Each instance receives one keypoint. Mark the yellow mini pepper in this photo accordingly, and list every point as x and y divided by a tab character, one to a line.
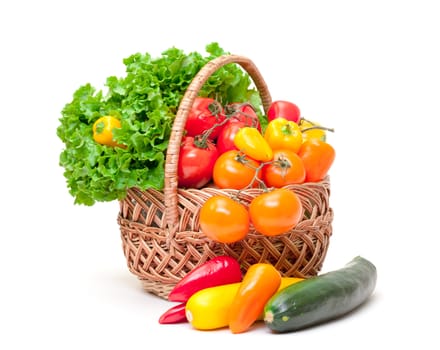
209	308
251	142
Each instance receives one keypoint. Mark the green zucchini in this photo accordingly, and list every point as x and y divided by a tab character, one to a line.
321	298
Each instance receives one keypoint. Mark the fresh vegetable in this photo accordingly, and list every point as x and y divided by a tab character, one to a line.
313	130
275	212
145	100
217	271
234	169
225	140
321	298
259	283
196	162
208	309
103	130
243	112
318	157
250	141
283	134
285	169
175	314
284	109
224	219
205	114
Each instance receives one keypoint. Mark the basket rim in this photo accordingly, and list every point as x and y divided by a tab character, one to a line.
177	131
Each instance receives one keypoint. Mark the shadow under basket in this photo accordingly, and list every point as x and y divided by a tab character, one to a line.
160	230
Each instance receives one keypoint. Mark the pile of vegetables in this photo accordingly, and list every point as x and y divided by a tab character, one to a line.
102	158
215	295
117	139
228	148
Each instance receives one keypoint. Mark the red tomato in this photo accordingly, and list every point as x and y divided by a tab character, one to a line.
205	113
195	164
284	109
243	112
275	212
235	170
224	220
285	169
225	140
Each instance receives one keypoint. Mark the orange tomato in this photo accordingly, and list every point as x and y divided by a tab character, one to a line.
224	220
275	212
318	157
285	169
235	170
260	282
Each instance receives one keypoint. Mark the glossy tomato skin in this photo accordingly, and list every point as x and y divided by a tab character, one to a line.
235	170
318	157
239	115
275	212
204	114
287	168
195	164
224	220
285	109
225	140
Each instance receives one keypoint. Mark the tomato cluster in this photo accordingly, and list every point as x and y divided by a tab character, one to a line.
225	146
209	132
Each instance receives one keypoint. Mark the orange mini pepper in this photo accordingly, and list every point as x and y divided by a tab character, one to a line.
209	308
259	283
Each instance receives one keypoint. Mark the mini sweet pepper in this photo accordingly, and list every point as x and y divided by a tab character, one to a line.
217	271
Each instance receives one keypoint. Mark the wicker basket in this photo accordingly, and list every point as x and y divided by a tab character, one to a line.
160	231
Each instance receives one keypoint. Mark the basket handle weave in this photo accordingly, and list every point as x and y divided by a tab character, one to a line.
172	156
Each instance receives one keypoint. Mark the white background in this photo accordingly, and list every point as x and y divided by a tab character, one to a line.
370	69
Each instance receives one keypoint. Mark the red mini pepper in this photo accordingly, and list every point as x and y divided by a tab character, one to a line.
215	272
175	314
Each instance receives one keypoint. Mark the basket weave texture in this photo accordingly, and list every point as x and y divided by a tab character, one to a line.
160	232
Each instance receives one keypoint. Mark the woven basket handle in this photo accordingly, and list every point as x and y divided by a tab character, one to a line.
172	156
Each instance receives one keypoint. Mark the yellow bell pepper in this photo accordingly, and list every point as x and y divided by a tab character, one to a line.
283	134
208	308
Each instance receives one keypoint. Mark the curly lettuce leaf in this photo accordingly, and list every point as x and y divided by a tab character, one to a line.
145	100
